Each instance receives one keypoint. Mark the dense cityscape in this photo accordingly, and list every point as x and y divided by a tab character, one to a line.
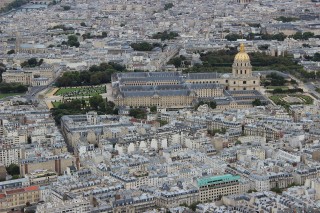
128	106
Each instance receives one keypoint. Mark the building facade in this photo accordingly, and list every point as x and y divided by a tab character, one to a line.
19	197
178	90
213	188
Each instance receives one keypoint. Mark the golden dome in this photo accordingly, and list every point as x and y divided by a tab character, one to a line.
242	55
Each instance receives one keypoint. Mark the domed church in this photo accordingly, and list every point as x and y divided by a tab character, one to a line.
177	90
242	78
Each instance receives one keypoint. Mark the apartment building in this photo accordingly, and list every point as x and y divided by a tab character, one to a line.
13	198
213	188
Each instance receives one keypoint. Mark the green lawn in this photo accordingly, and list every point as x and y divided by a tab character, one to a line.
307	99
277	99
80	91
4	95
56	104
278	87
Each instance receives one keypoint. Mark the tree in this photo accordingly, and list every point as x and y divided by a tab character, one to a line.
165	35
110	108
316	57
263	47
212	104
162	122
32	62
12	88
177	61
29	140
303	36
138	113
104	34
233	37
143	46
83	24
95	102
286	19
276	80
307	35
306	45
14	4
13	169
96	74
256	102
276	190
73	41
10	52
168	6
237	142
66	7
153	109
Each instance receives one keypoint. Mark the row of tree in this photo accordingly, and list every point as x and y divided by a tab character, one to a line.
94	76
32	62
61	26
177	61
221	61
72	41
274	79
89	36
12	88
282	91
165	35
145	46
13	5
252	36
77	106
286	19
277	36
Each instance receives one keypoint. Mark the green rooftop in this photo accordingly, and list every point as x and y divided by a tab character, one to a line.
217	179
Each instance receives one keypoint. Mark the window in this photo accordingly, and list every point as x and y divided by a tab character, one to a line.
244	88
244	82
226	81
254	82
234	82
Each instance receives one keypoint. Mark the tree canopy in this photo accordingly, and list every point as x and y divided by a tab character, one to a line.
72	41
138	113
316	57
97	74
32	62
78	106
13	5
144	46
165	35
12	88
168	6
286	19
13	169
252	36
